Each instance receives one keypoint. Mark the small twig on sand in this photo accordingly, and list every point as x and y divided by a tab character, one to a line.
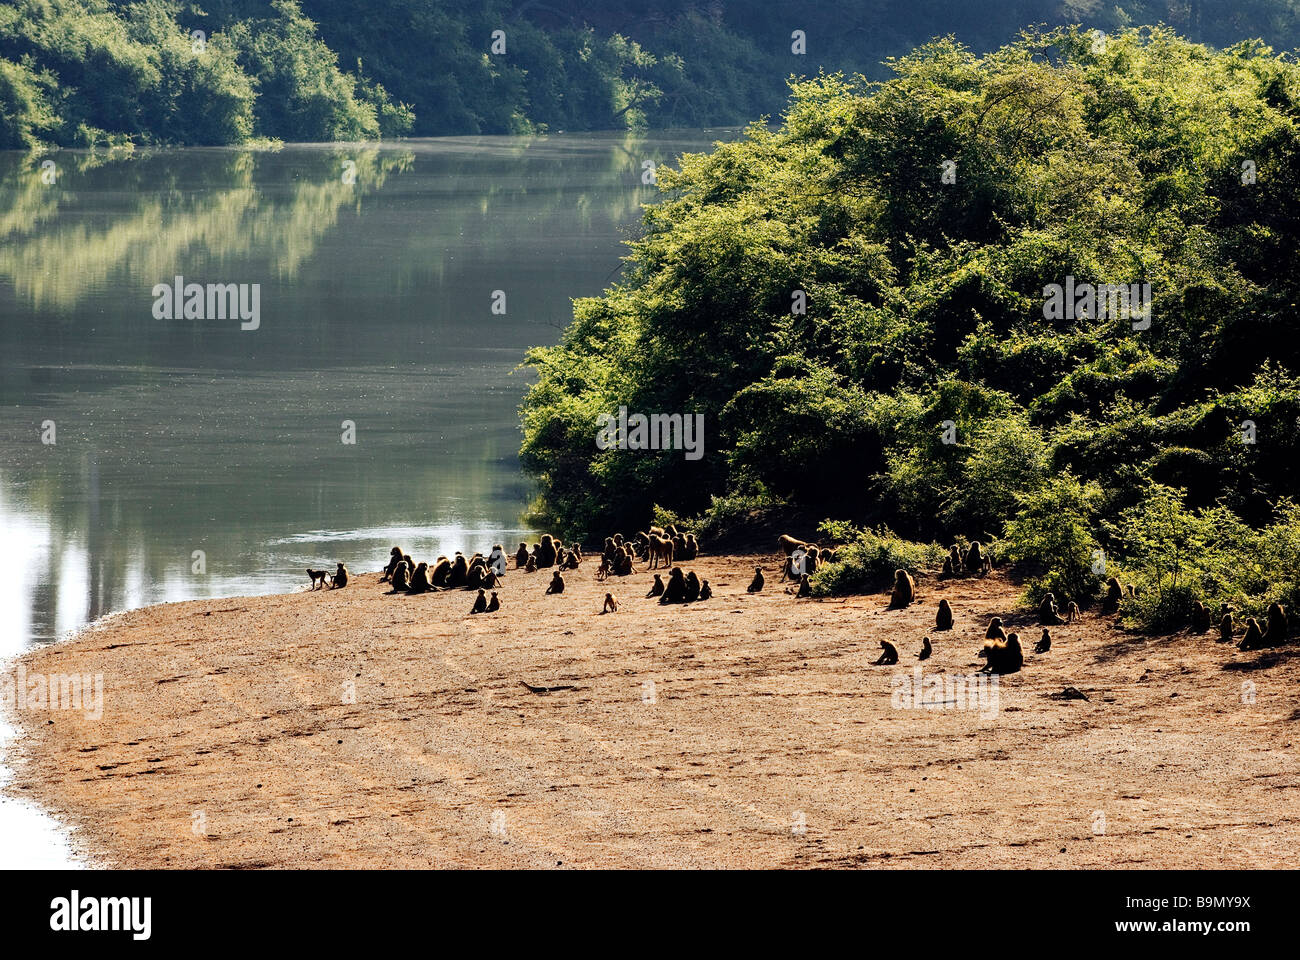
545	690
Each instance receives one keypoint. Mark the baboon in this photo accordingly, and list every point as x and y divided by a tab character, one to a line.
788	543
1044	643
1254	638
420	579
546	552
756	584
480	603
706	591
497	560
805	589
974	562
1004	656
623	565
679	545
659	551
490	579
955	566
670	531
1074	613
410	564
557	583
947	568
811	561
521	556
926	649
340	577
1275	635
1047	611
890	654
904	590
394	558
1200	617
1225	629
531	565
318	578
477	571
494	604
1113	596
692	587
657	588
459	576
440	577
400	578
794	563
675	592
611	605
691	548
995	631
943	621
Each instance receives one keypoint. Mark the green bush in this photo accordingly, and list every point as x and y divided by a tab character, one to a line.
866	559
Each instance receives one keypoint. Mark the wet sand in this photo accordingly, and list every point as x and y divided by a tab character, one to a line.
352	728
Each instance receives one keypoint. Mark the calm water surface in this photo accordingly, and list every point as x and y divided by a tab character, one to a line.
181	437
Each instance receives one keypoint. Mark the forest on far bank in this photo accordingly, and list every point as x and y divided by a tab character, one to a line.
81	73
929	392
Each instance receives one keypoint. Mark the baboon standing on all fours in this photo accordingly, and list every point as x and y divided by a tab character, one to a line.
943	619
904	590
890	654
611	605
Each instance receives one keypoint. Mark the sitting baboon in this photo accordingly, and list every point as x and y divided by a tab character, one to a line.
394	558
675	592
1226	629
756	584
1113	596
1044	643
794	563
623	565
420	579
805	588
706	591
690	548
521	556
318	578
904	590
926	649
811	560
400	578
657	588
995	631
459	576
477	571
1200	617
494	604
480	603
1047	611
943	620
340	577
490	579
692	587
890	654
531	565
441	573
1004	656
1074	613
611	605
546	552
557	583
1275	634
659	551
955	565
497	560
1254	638
788	543
974	561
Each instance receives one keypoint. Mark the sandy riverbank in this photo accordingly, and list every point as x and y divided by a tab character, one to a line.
695	736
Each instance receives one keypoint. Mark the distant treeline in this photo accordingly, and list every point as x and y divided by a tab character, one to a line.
86	72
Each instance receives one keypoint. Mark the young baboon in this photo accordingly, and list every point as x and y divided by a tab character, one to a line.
531	565
706	591
420	579
556	584
490	579
943	620
657	588
318	578
480	603
1044	643
1113	596
494	604
1254	638
756	584
1225	628
1047	611
1004	656
521	556
805	589
340	577
890	654
995	631
1074	613
926	649
1275	635
400	578
611	605
904	590
675	592
394	558
692	587
1200	617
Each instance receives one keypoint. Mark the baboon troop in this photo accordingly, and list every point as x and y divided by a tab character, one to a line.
943	619
976	561
756	584
890	654
1270	634
904	590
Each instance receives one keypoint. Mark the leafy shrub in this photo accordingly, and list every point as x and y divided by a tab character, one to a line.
866	559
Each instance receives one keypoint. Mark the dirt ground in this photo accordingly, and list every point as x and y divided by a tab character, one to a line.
353	728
